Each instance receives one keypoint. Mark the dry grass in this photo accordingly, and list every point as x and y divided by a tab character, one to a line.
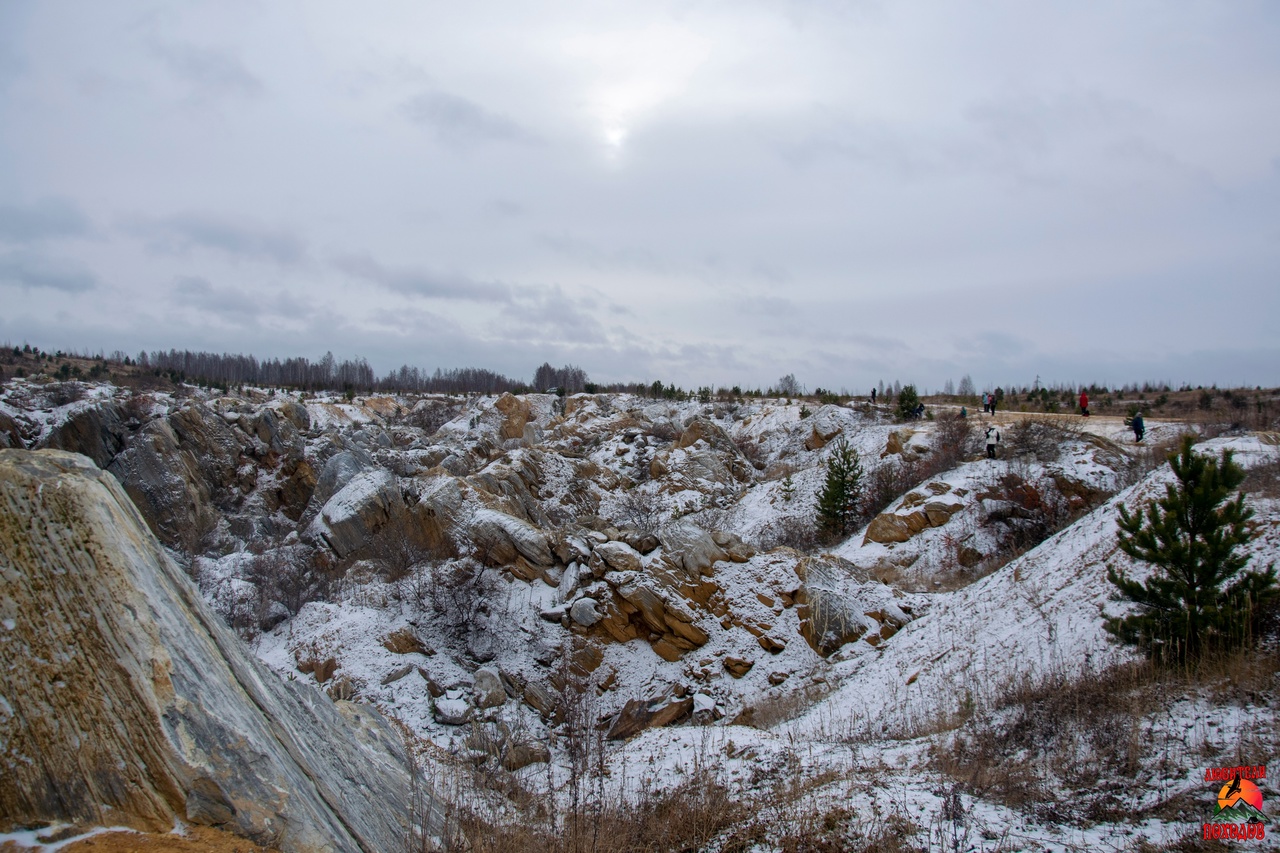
1068	750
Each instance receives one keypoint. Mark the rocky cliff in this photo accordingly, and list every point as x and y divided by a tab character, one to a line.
125	700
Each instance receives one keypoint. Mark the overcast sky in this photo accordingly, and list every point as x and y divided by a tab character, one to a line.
698	192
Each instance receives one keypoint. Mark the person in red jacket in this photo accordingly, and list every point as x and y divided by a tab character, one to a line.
1084	403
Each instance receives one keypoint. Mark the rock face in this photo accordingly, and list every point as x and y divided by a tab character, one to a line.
835	609
177	469
97	431
124	699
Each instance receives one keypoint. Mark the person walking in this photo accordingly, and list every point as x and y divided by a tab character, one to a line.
993	438
1139	428
1084	403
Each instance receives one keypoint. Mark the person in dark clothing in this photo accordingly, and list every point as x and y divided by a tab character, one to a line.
1139	428
993	404
873	396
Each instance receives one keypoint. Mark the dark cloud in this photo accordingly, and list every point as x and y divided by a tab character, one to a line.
28	270
417	282
181	232
551	315
458	121
43	220
209	72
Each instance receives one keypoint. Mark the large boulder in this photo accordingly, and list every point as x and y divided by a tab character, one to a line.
97	431
134	704
515	413
504	540
689	547
824	425
368	506
10	431
337	471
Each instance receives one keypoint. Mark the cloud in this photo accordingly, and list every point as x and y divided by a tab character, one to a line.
179	233
550	315
211	73
235	306
458	121
33	270
418	282
198	292
47	219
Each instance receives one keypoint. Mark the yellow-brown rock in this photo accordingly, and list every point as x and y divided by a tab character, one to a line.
515	412
134	704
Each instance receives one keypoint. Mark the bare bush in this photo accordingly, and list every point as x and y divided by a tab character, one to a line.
887	482
396	556
752	451
952	440
1264	479
430	415
64	393
460	591
1041	439
640	510
796	532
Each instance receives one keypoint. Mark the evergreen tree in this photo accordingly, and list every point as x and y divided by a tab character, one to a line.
788	488
838	500
908	399
1197	600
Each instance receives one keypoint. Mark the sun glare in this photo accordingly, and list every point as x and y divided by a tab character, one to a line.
631	74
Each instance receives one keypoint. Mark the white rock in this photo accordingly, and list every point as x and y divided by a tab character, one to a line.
488	689
584	612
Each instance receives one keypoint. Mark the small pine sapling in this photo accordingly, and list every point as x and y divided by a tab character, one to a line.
838	501
1197	600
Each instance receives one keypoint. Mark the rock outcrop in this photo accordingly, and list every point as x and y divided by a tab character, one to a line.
125	700
97	431
836	609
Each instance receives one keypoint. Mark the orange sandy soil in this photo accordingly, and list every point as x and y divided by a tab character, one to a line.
197	840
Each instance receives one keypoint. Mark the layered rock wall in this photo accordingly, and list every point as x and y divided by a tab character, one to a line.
124	699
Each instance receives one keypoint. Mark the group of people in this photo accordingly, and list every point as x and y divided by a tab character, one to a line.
1135	423
989	403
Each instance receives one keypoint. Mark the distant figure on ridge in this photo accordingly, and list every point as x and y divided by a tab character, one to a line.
993	438
993	404
1139	428
986	405
1084	403
873	396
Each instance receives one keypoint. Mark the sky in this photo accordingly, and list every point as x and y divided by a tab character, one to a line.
704	193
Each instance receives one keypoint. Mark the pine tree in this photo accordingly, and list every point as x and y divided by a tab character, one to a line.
908	399
1197	600
838	500
788	488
